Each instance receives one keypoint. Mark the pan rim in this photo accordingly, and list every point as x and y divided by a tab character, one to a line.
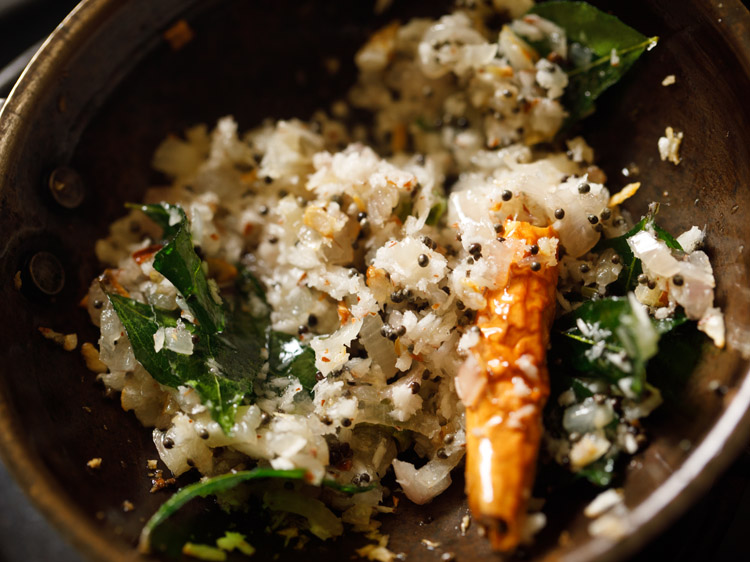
720	446
36	482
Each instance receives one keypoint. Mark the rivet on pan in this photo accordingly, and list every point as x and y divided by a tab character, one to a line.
46	273
67	187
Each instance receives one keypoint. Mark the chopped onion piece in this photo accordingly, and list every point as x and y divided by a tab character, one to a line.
654	253
421	485
712	324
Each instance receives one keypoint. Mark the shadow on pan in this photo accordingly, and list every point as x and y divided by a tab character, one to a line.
108	88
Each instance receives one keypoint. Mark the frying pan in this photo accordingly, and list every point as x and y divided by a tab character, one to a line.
106	88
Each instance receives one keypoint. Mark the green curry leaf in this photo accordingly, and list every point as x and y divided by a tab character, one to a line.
224	483
229	339
668	239
679	353
403	209
593	37
221	368
167	216
601	472
289	357
181	265
631	266
437	210
610	339
141	323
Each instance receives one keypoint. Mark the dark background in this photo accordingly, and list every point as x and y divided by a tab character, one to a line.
714	529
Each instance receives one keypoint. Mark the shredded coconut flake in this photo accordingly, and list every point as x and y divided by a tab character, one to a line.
669	146
603	502
669	80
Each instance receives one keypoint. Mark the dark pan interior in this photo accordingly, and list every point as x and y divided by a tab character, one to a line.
118	91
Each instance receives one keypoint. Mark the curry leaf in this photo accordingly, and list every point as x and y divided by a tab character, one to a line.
167	216
225	367
249	285
666	325
181	265
178	262
679	353
437	210
601	472
668	239
579	387
609	338
229	339
289	357
601	50
631	266
141	324
403	209
221	368
224	483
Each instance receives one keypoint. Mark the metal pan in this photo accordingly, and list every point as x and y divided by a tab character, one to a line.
106	87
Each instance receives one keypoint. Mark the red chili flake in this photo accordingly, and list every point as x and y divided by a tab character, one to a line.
144	254
161	483
179	35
